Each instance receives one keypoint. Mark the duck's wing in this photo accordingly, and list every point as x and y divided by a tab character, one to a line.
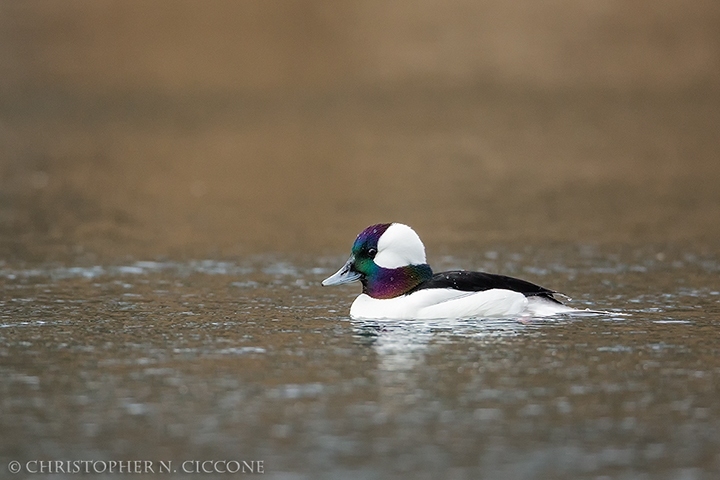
480	281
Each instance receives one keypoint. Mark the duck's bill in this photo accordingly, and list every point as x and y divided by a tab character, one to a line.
345	275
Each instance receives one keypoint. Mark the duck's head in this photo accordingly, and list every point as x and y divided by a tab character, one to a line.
389	260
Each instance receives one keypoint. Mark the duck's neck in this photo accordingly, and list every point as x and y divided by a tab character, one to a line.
393	282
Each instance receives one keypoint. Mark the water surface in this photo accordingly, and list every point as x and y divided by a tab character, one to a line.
252	360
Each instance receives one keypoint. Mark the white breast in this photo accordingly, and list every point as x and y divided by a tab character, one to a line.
441	303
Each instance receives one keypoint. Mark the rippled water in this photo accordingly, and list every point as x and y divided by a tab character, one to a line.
252	360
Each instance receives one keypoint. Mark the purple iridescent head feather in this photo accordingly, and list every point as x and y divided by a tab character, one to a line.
393	282
369	237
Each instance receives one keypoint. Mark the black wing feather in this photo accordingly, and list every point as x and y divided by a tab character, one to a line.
480	281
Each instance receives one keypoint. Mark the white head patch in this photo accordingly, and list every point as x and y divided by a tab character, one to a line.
399	246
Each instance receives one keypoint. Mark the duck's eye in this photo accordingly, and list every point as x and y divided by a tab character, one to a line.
372	252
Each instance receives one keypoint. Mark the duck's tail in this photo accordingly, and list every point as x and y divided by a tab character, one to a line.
541	307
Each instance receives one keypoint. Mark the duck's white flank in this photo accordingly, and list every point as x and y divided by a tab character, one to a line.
448	303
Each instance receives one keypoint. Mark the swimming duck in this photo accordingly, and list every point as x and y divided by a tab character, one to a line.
389	260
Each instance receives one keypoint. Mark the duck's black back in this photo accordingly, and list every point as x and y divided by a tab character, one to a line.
480	281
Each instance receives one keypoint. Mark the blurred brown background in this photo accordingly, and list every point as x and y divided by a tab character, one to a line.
169	128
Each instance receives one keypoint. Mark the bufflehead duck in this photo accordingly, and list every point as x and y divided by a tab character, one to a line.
389	260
